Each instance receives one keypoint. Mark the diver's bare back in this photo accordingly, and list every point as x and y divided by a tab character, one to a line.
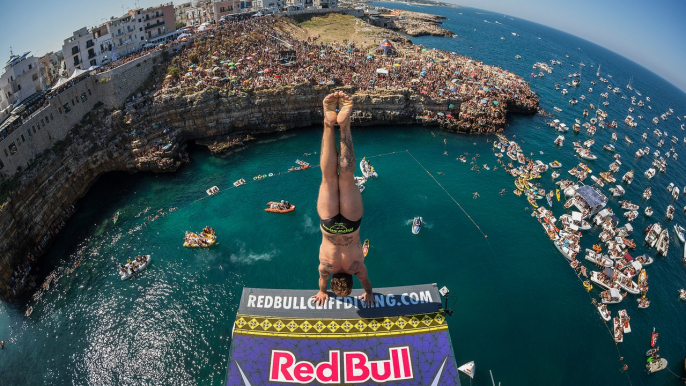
341	253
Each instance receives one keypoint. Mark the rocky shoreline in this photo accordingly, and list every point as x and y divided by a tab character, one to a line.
421	24
150	135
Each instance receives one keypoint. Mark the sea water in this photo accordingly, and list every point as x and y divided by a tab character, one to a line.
520	310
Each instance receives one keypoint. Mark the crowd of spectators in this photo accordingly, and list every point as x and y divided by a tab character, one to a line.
255	54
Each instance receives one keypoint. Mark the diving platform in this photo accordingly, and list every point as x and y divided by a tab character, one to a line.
281	337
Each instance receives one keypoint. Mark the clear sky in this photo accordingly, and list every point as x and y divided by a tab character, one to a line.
650	33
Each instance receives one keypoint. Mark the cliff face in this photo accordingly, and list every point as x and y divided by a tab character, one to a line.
150	134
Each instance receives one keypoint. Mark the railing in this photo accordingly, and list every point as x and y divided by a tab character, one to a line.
159	23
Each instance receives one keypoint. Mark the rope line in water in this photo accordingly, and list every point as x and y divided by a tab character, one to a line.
449	195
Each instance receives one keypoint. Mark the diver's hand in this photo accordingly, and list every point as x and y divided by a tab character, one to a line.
367	299
322	297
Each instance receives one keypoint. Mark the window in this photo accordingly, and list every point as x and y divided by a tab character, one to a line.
34	77
59	110
29	131
22	138
42	122
72	102
83	97
19	87
13	148
76	60
67	109
34	129
89	91
2	165
51	118
30	66
75	50
93	62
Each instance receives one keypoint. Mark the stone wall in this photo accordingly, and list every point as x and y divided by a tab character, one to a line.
51	124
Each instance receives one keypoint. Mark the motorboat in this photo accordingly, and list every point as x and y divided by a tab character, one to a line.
662	245
560	140
239	183
648	211
604	312
624	319
647	193
367	169
627	284
644	260
679	230
602	280
618	332
675	193
653	233
628	177
682	294
131	268
359	182
279	207
611	296
650	173
670	212
609	147
417	224
597	258
627	205
212	191
617	191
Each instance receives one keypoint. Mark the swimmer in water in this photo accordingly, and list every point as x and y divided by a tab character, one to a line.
339	206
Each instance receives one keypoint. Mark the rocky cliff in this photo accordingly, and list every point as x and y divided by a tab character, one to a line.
150	135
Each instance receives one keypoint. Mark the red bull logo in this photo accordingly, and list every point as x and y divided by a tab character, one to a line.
356	367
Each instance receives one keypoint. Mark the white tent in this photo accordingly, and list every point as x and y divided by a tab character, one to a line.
60	82
77	72
382	71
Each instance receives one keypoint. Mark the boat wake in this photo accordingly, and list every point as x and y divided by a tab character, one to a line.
249	257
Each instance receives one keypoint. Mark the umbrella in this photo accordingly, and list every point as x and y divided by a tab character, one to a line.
495	102
449	116
451	106
440	114
168	76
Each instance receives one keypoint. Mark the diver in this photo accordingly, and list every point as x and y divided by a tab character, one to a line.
339	206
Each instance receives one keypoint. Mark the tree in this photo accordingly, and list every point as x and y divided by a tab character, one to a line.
193	57
174	71
179	24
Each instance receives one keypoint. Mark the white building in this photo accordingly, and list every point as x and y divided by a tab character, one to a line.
87	48
325	3
20	80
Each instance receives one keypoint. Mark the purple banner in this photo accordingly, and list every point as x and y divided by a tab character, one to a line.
417	359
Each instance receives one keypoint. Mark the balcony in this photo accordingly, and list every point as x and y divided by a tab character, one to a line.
159	23
89	44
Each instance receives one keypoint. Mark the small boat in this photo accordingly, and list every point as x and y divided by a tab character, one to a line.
205	239
212	191
617	191
557	194
417	225
555	164
627	284
611	296
116	217
29	311
648	211
604	312
682	294
560	140
365	248
650	173
131	268
656	365
618	331
367	169
662	244
239	182
279	207
609	147
624	319
647	193
679	230
643	302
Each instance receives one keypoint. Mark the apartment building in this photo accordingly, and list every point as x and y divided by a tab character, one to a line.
20	80
87	48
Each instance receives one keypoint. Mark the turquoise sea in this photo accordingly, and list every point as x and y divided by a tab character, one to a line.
520	310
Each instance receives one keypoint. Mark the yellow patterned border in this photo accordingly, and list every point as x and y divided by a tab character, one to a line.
338	328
